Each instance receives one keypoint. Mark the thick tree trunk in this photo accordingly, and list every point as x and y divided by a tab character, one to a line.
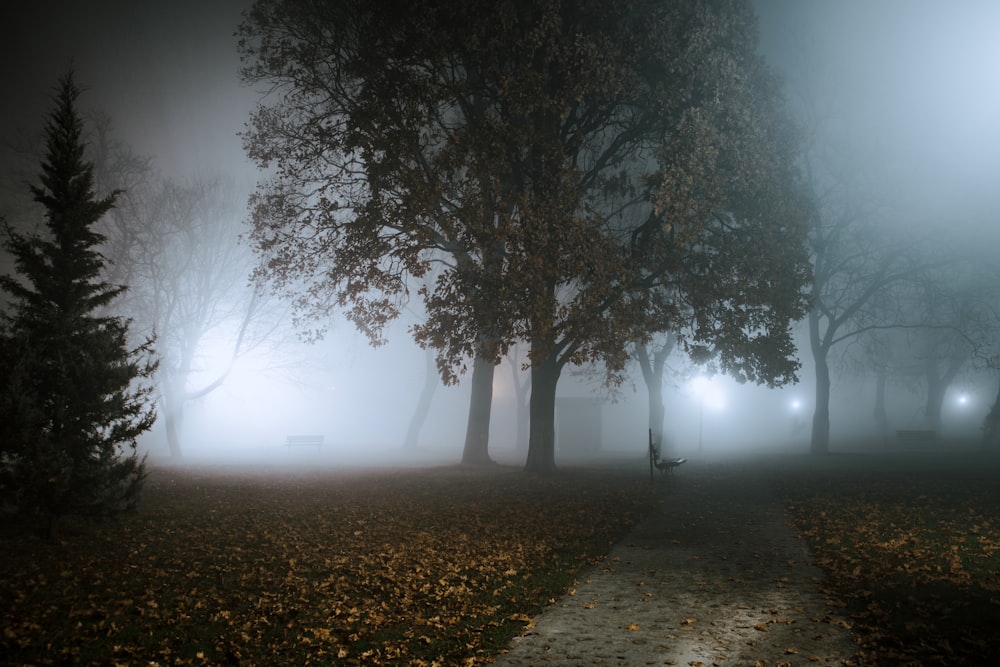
652	375
820	443
423	408
542	436
477	433
657	414
821	416
173	419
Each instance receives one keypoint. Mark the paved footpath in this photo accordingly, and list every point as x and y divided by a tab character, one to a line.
713	576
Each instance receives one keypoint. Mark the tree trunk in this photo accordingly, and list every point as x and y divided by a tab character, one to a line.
521	396
937	387
991	426
477	433
173	418
821	416
523	424
652	375
935	399
881	417
172	423
820	443
423	408
523	414
542	435
656	414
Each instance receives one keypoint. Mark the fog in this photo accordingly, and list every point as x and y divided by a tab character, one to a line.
902	95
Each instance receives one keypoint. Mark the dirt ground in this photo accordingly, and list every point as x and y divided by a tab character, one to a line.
714	576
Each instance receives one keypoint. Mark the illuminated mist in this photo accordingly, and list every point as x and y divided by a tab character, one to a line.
908	92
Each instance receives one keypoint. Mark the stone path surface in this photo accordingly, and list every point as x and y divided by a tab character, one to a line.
713	576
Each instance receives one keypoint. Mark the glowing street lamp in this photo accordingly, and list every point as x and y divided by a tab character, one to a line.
706	392
798	422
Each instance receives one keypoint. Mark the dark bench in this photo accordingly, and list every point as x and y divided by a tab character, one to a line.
656	463
304	441
916	435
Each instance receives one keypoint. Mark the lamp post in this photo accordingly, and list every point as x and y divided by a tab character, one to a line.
702	388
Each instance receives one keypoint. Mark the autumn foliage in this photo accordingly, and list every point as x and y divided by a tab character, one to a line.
426	567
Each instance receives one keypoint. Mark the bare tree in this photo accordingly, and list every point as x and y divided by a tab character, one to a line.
179	247
195	282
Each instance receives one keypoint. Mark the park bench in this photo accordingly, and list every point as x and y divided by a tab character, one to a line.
916	435
304	441
656	463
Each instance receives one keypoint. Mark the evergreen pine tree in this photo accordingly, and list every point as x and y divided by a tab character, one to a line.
75	396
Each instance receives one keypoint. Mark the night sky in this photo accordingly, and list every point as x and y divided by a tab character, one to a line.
915	82
166	72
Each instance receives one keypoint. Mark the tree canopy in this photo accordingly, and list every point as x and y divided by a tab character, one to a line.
587	173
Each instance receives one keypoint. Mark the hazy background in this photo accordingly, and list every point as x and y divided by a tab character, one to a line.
908	90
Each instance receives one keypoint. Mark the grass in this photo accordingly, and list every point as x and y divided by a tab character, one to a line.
444	566
911	548
437	566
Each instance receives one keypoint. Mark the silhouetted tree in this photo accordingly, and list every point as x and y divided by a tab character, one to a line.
652	360
941	345
962	309
177	246
521	383
511	142
192	283
80	403
850	269
881	352
423	407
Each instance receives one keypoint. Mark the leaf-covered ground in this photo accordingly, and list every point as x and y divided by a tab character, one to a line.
911	546
444	565
418	567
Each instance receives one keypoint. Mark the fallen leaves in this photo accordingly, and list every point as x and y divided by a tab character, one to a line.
522	618
426	567
911	555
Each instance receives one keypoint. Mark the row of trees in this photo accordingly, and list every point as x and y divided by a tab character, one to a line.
583	175
588	183
591	182
887	300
